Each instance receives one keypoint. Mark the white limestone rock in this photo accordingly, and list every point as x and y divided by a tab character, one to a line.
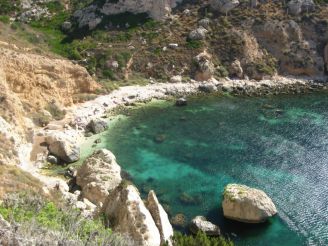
99	175
160	217
224	6
200	223
246	204
128	214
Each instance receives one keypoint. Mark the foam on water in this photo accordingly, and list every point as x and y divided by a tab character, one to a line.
282	149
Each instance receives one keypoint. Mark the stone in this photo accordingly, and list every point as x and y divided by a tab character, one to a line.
203	67
181	102
204	23
224	6
176	79
235	69
173	45
128	215
65	150
66	26
198	34
200	223
52	159
97	126
207	88
160	217
80	205
296	7
98	175
246	204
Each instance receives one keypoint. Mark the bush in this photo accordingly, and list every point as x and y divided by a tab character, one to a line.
4	19
201	239
55	111
44	221
8	6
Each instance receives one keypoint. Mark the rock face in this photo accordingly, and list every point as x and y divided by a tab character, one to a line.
236	69
97	126
128	214
296	7
224	6
160	217
92	15
203	67
246	204
200	223
99	175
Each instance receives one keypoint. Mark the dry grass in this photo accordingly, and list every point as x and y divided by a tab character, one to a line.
14	179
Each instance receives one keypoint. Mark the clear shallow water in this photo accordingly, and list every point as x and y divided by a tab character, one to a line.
219	140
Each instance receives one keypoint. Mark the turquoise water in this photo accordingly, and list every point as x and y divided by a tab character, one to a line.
278	144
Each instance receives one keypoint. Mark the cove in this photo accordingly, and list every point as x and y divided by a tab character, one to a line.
188	154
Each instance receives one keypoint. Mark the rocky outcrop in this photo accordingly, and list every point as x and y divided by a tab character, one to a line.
92	15
296	7
160	217
203	66
200	223
127	213
246	204
98	176
97	126
235	69
224	6
297	55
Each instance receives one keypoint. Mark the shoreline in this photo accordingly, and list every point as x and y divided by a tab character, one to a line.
72	127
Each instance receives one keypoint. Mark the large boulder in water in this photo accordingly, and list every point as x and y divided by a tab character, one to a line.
128	215
200	223
160	217
97	126
246	204
99	175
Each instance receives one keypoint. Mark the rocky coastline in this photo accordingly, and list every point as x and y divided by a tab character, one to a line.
69	133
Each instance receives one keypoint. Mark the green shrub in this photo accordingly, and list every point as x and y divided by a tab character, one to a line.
4	19
55	111
194	44
58	223
201	239
9	6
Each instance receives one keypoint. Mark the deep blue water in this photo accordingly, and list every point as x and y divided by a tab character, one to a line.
278	144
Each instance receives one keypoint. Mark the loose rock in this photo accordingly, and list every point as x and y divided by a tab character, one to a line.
200	223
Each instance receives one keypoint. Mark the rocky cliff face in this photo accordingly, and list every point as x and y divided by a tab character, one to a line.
30	85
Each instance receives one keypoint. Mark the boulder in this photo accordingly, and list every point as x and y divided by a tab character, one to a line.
224	6
98	175
207	88
181	102
176	79
296	7
198	34
235	69
246	204
66	26
204	23
52	159
97	126
200	223
160	217
203	67
127	214
65	150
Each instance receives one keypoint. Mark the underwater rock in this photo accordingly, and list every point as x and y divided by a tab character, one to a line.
246	204
181	102
97	126
200	223
160	138
179	220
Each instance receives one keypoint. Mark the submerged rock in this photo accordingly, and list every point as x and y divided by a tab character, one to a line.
128	214
160	217
200	223
181	102
99	175
246	204
179	220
